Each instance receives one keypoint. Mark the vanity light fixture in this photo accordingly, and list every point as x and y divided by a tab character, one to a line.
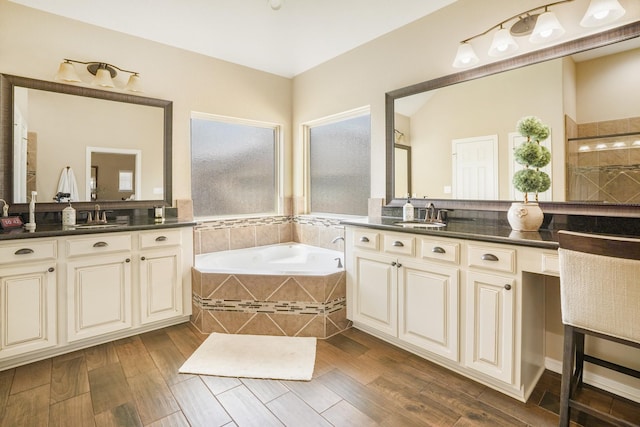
540	24
103	72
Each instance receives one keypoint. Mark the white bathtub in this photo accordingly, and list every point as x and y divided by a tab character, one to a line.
281	259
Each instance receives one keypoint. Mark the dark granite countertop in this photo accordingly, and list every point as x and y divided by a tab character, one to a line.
470	229
56	229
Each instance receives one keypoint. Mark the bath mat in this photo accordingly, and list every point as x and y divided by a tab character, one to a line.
254	356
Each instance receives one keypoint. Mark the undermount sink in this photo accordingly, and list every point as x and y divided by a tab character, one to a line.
415	224
90	226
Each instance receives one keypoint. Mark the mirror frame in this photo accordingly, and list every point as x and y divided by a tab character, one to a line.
619	34
7	85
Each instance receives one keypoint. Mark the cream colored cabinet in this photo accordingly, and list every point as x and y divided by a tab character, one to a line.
396	294
490	325
490	311
456	302
160	264
98	285
70	292
428	307
28	289
375	290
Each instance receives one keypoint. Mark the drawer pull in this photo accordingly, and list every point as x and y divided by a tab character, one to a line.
100	244
161	239
507	287
23	251
398	243
489	257
364	239
51	270
438	250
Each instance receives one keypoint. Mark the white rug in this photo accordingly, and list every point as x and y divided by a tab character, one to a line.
254	356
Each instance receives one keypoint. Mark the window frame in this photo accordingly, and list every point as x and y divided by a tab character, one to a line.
306	142
278	156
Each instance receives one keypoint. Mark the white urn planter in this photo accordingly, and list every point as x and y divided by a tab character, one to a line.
525	216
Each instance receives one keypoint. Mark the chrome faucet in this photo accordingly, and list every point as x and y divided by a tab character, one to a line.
336	239
430	213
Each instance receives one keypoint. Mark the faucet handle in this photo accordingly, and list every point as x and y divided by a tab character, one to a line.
89	217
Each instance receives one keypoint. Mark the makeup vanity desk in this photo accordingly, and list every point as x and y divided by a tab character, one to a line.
468	296
63	289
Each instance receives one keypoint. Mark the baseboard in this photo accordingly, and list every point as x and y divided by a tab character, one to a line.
599	381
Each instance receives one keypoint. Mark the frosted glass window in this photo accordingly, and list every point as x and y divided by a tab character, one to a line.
339	166
233	168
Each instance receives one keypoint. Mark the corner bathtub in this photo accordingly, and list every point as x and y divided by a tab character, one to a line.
282	259
287	289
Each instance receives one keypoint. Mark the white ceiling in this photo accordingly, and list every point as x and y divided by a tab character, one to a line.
286	42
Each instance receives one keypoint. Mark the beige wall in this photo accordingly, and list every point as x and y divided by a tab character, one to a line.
607	88
33	43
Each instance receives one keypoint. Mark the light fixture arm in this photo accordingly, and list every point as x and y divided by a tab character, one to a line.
519	15
95	65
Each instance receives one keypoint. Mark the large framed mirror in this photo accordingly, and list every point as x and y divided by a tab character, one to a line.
97	146
484	104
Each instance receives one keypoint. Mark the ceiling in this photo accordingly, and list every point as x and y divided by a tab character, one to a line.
300	35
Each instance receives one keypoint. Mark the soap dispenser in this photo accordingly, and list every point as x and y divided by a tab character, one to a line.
407	211
68	215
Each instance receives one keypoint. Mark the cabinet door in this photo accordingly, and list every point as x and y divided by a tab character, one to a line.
490	325
428	308
160	284
27	308
98	296
375	292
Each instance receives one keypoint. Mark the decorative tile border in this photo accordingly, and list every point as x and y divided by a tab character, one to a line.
271	307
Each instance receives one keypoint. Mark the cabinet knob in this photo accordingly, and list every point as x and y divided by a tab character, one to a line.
489	257
23	251
393	264
142	258
398	243
507	287
398	265
100	244
438	250
127	260
364	239
51	269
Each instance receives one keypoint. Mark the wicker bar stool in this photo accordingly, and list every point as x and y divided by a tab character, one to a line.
600	296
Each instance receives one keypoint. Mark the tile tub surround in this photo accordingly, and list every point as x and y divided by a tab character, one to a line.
240	233
269	305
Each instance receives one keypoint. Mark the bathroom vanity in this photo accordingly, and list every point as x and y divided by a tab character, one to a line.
468	297
66	289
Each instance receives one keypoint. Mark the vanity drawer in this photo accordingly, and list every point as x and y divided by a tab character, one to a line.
439	250
99	244
551	264
28	251
160	238
400	245
366	239
492	258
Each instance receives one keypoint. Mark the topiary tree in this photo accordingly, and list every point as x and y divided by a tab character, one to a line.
532	156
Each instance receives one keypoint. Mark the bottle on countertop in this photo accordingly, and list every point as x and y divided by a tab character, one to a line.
407	211
69	215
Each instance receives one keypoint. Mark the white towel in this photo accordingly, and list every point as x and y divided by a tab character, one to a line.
68	184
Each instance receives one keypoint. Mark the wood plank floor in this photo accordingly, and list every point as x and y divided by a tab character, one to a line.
358	381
